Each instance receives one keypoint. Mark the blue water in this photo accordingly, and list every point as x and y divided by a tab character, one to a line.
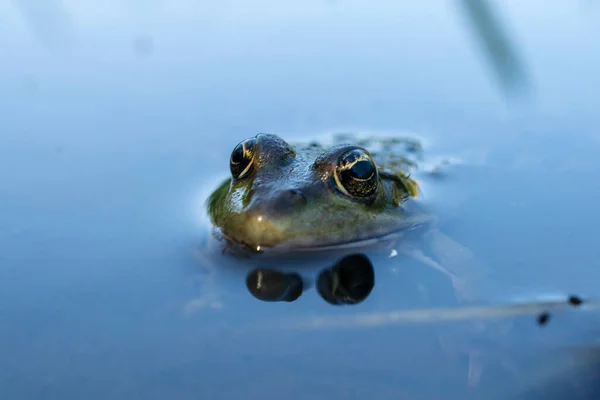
118	119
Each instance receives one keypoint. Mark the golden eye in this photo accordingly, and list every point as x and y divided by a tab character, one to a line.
356	174
241	161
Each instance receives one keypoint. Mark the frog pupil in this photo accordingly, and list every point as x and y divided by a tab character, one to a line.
241	159
362	170
238	154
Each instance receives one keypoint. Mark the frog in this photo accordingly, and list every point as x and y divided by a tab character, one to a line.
308	197
348	192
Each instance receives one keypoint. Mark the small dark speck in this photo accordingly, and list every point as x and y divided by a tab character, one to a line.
575	301
543	318
143	46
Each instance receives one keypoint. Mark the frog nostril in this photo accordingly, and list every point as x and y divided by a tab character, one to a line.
277	202
295	196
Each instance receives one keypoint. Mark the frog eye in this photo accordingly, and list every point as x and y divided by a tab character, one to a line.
356	174
242	158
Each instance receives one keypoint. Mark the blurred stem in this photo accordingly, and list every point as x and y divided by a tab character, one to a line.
497	45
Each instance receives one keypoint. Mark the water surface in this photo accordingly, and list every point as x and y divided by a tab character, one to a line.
118	119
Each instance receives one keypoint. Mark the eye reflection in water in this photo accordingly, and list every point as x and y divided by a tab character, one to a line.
349	281
272	285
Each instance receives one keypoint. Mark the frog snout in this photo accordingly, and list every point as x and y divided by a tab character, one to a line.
277	202
265	221
284	201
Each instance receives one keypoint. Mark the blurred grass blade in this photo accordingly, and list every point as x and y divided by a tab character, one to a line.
498	48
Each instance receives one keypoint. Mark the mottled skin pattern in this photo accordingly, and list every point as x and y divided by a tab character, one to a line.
289	199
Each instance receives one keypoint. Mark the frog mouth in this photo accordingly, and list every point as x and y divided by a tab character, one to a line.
306	245
260	232
275	242
275	238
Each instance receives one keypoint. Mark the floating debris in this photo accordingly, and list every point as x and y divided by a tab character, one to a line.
543	318
431	315
575	301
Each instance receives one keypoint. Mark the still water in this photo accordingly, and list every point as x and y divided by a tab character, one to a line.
119	119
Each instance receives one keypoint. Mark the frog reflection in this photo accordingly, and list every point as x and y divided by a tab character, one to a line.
349	281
